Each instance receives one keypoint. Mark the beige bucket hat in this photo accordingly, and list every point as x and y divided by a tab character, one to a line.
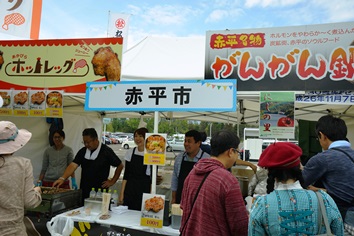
12	138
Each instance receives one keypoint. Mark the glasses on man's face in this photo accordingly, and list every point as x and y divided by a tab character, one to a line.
236	151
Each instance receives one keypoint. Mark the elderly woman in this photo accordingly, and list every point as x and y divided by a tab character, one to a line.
288	209
17	189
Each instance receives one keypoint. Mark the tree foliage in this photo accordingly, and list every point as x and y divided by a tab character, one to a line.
175	126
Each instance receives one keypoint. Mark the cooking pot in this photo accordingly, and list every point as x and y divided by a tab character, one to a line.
243	182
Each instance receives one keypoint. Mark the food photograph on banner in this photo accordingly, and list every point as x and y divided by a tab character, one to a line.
32	103
20	105
37	104
60	64
6	109
54	104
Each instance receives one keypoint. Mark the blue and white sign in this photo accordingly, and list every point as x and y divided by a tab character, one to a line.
176	95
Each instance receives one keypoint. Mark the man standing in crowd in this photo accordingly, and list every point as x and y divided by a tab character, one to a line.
212	202
332	169
205	146
95	160
184	163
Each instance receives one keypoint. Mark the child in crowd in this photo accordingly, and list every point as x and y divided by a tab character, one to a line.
258	184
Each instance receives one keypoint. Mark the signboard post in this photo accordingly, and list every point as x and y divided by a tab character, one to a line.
106	121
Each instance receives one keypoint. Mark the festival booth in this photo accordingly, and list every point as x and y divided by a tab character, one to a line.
306	58
300	73
42	83
280	72
314	62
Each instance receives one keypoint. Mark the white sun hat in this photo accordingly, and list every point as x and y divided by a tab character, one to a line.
12	138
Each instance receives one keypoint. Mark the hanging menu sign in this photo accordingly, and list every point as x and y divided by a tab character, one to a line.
34	103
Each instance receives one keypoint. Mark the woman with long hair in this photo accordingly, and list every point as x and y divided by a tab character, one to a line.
288	208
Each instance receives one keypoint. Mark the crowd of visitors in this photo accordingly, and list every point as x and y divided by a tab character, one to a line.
289	199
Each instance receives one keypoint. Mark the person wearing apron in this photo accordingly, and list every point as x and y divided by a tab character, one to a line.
184	163
186	167
137	176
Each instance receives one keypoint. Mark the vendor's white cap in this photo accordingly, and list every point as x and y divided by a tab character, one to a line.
12	138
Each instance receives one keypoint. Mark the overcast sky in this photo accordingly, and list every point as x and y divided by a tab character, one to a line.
182	18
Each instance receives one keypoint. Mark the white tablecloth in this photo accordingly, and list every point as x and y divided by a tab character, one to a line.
129	219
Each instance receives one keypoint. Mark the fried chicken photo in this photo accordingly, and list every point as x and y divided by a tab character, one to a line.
105	62
21	98
37	98
154	204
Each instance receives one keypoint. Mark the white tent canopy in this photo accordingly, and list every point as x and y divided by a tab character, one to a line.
161	58
171	58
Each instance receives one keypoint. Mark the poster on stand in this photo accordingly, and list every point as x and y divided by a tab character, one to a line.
155	149
276	117
152	209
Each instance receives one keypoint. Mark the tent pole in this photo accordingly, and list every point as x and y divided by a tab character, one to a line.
238	121
154	167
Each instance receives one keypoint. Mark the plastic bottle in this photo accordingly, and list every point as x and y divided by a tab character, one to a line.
99	194
92	193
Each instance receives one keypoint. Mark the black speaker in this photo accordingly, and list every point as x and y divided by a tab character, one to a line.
166	214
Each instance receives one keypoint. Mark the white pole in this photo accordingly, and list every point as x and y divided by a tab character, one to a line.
154	168
104	134
211	125
109	15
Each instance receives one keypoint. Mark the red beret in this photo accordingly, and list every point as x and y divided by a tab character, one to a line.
282	155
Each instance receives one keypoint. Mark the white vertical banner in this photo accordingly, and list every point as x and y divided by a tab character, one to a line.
21	18
118	27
